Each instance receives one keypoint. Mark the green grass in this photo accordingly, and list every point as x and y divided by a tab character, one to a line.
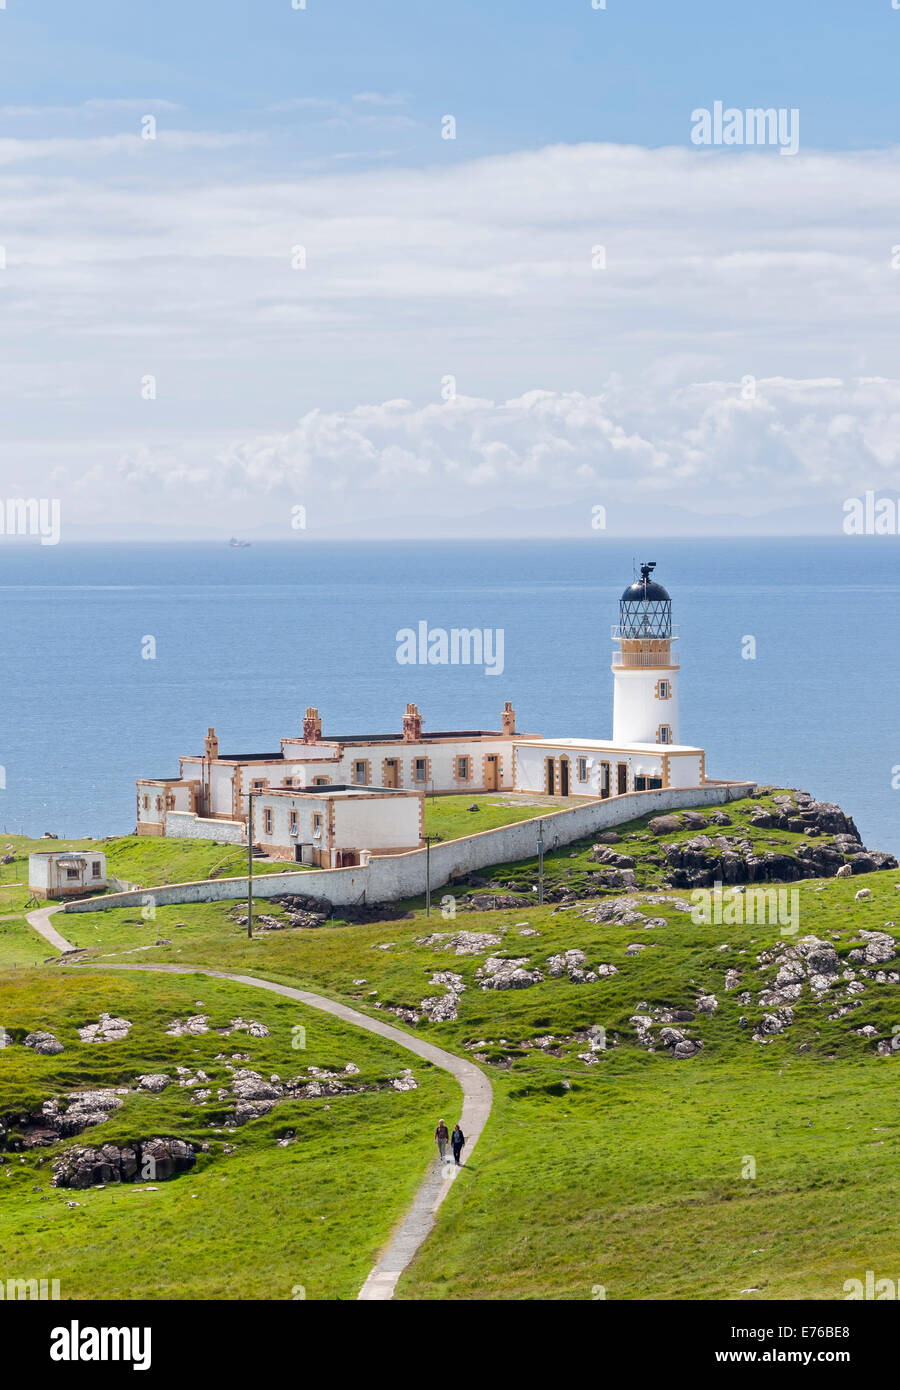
21	945
449	817
257	1223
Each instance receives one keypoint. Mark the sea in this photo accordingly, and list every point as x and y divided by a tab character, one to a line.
116	658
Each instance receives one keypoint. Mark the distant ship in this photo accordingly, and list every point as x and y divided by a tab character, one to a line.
238	545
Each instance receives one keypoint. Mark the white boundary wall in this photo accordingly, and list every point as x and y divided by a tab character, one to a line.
389	878
187	825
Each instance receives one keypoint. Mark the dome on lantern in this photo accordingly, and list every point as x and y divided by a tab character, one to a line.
645	609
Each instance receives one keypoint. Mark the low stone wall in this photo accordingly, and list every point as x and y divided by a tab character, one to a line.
187	825
389	878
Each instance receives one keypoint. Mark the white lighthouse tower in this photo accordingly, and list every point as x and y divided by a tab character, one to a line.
645	703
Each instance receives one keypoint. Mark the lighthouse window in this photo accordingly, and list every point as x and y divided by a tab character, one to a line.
664	690
665	734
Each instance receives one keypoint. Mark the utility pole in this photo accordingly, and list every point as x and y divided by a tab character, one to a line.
250	864
540	850
427	875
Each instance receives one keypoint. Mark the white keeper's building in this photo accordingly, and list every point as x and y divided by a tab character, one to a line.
334	800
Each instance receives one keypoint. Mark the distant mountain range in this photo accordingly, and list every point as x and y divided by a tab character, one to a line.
564	521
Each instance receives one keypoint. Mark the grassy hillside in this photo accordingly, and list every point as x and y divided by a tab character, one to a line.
254	1223
144	860
760	1166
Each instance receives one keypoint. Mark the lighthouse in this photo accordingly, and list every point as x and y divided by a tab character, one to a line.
645	667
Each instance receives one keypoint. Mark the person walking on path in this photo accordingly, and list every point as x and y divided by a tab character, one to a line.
442	1134
457	1140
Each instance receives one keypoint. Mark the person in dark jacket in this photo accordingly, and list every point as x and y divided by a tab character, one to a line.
457	1139
442	1134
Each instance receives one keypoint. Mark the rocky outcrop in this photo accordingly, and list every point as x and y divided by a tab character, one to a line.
153	1081
106	1029
152	1160
497	973
44	1043
184	1027
571	963
463	943
442	1008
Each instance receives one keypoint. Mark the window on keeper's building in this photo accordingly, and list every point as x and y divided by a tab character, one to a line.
462	769
267	820
640	784
654	784
360	773
146	803
293	822
581	766
317	826
420	770
71	873
258	785
95	869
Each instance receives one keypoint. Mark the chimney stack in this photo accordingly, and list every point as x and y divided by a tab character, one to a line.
509	719
412	724
312	726
212	745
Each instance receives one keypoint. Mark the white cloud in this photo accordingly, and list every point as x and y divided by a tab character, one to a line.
718	267
380	98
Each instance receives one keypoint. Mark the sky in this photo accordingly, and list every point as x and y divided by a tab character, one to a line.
247	285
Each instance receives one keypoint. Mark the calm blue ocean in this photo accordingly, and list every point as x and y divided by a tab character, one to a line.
246	639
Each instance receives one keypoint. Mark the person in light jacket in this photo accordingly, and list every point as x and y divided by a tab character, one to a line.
442	1134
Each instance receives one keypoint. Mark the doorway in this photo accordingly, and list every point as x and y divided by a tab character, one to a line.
622	778
391	772
492	772
604	781
564	776
551	777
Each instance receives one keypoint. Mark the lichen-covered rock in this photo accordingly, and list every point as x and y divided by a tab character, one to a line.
880	946
679	1044
463	943
106	1029
497	973
192	1027
249	1085
443	1008
44	1043
243	1025
773	1023
567	963
665	825
155	1081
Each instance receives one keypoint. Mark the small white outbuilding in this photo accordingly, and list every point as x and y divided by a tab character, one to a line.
66	873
